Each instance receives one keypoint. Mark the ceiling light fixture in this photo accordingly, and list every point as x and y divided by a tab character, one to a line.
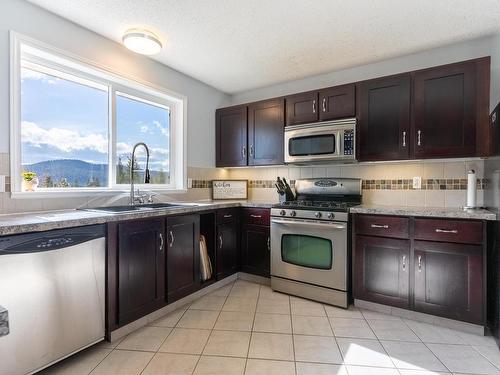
142	41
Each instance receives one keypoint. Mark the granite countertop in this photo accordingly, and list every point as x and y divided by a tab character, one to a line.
448	212
48	220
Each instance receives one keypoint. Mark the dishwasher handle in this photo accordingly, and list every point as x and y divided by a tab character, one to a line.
50	240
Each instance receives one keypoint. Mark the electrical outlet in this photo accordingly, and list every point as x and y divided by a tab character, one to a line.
417	182
190	183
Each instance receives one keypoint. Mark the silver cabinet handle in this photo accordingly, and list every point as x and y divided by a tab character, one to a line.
420	263
385	226
256	216
404	139
227	216
162	242
324	104
171	239
314	106
404	262
419	138
251	150
269	243
220	241
244	152
454	231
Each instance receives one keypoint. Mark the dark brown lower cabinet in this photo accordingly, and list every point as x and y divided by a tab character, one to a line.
448	280
382	270
183	256
141	268
227	248
255	249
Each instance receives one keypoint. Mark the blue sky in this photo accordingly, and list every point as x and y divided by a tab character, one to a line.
65	120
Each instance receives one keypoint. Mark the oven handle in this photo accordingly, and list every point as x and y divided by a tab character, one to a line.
308	223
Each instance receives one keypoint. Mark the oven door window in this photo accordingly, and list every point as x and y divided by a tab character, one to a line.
312	145
307	251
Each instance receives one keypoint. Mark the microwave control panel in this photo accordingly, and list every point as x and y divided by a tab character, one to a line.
349	142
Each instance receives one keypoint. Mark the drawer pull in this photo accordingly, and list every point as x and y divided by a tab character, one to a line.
420	263
385	226
256	216
227	216
454	231
404	262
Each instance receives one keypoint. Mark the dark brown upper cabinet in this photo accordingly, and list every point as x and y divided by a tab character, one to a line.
183	256
302	108
265	132
444	116
383	113
337	102
231	137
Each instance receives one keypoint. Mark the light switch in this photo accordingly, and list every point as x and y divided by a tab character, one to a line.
2	184
417	182
190	183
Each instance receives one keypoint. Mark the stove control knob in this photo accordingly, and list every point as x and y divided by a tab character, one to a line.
282	212
330	215
293	213
317	215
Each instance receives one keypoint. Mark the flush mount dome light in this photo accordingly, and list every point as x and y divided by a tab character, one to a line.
142	41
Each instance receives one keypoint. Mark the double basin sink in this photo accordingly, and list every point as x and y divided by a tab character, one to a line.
138	208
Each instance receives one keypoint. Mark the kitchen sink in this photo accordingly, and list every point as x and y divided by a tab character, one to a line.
138	208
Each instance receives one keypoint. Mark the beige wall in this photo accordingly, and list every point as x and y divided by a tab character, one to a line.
378	171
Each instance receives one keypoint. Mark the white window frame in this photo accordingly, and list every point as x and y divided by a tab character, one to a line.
94	75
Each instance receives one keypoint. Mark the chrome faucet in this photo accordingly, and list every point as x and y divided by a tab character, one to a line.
147	176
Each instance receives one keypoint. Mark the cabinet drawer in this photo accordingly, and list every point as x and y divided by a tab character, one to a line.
460	231
226	215
256	216
380	225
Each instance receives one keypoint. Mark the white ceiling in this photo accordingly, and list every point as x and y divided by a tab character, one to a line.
237	45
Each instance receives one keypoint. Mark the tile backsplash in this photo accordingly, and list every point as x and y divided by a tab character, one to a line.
443	184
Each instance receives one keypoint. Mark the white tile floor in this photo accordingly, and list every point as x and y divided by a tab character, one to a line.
245	328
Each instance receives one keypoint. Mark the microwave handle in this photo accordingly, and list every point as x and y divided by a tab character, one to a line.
339	151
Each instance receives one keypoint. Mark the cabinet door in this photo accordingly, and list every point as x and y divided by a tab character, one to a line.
444	111
383	107
227	249
183	256
337	102
449	280
265	132
231	136
381	270
255	249
302	108
141	268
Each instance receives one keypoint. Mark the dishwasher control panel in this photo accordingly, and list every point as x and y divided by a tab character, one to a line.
55	242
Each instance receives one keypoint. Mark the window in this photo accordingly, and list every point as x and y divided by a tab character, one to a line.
75	125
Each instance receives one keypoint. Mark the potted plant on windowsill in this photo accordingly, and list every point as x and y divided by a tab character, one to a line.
30	181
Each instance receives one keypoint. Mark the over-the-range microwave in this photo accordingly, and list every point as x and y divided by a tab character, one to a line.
327	141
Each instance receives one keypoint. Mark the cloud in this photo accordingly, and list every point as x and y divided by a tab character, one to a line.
62	139
144	129
164	130
28	74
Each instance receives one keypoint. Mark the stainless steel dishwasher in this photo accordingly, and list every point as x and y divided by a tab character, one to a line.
52	288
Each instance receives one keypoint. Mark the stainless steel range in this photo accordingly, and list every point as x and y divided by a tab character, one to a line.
309	240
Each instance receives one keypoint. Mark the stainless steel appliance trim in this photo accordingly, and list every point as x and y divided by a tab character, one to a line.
314	292
344	186
337	128
311	223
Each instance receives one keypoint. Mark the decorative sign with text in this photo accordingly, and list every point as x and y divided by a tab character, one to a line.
229	189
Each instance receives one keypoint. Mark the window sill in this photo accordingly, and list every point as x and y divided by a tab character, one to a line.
65	193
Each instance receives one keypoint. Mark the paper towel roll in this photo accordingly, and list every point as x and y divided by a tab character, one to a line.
471	189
